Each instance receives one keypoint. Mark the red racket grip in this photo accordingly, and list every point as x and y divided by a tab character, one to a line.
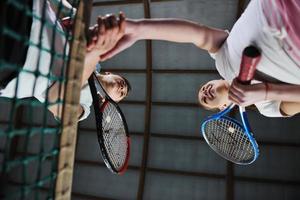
250	58
67	23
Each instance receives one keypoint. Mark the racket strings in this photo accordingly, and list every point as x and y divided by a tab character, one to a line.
114	134
228	138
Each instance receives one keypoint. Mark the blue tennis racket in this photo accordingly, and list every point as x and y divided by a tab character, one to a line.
230	138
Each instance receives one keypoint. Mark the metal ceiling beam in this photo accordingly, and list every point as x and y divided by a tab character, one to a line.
260	142
155	1
132	102
115	3
160	103
240	8
102	164
166	71
142	176
267	181
120	2
229	181
133	71
202	174
176	104
188	71
89	197
198	138
186	173
74	194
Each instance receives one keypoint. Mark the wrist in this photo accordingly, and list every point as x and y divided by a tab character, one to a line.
133	28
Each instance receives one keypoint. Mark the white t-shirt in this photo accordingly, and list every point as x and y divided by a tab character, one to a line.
28	84
252	28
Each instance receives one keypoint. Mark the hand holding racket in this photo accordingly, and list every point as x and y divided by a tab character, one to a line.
230	138
112	128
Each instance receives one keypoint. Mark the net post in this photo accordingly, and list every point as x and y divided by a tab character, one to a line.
71	101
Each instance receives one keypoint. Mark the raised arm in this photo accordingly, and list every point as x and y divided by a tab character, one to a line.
174	30
105	36
289	95
181	31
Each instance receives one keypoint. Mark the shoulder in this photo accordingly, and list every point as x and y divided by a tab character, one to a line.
223	62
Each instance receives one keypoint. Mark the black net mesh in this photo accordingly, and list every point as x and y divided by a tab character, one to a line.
34	52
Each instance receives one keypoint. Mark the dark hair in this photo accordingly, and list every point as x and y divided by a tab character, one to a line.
127	83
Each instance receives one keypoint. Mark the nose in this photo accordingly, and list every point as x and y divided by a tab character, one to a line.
207	93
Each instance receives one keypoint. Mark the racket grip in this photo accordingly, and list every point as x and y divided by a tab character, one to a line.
250	58
67	23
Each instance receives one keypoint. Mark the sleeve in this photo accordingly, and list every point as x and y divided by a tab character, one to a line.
213	55
270	109
223	64
85	102
86	99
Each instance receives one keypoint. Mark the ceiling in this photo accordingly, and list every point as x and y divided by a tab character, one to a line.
169	158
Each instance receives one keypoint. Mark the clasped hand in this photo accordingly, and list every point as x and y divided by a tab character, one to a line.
104	35
245	95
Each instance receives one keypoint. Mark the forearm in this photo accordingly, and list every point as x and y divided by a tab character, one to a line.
283	92
289	95
177	30
90	62
57	90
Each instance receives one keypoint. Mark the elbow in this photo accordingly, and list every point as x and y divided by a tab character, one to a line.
211	39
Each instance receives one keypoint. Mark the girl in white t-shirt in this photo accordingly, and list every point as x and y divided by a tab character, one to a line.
276	90
105	35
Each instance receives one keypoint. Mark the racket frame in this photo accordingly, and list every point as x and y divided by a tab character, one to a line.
244	125
94	84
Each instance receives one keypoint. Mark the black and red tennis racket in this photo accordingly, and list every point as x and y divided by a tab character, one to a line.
112	130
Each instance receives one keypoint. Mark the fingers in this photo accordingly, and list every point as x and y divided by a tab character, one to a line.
122	25
237	86
236	98
245	95
236	93
114	29
92	37
105	35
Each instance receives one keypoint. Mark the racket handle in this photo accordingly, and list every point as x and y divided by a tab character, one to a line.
250	58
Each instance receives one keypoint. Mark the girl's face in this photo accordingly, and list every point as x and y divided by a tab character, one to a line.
214	94
114	85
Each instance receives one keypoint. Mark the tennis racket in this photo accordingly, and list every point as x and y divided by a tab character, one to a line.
112	130
230	138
